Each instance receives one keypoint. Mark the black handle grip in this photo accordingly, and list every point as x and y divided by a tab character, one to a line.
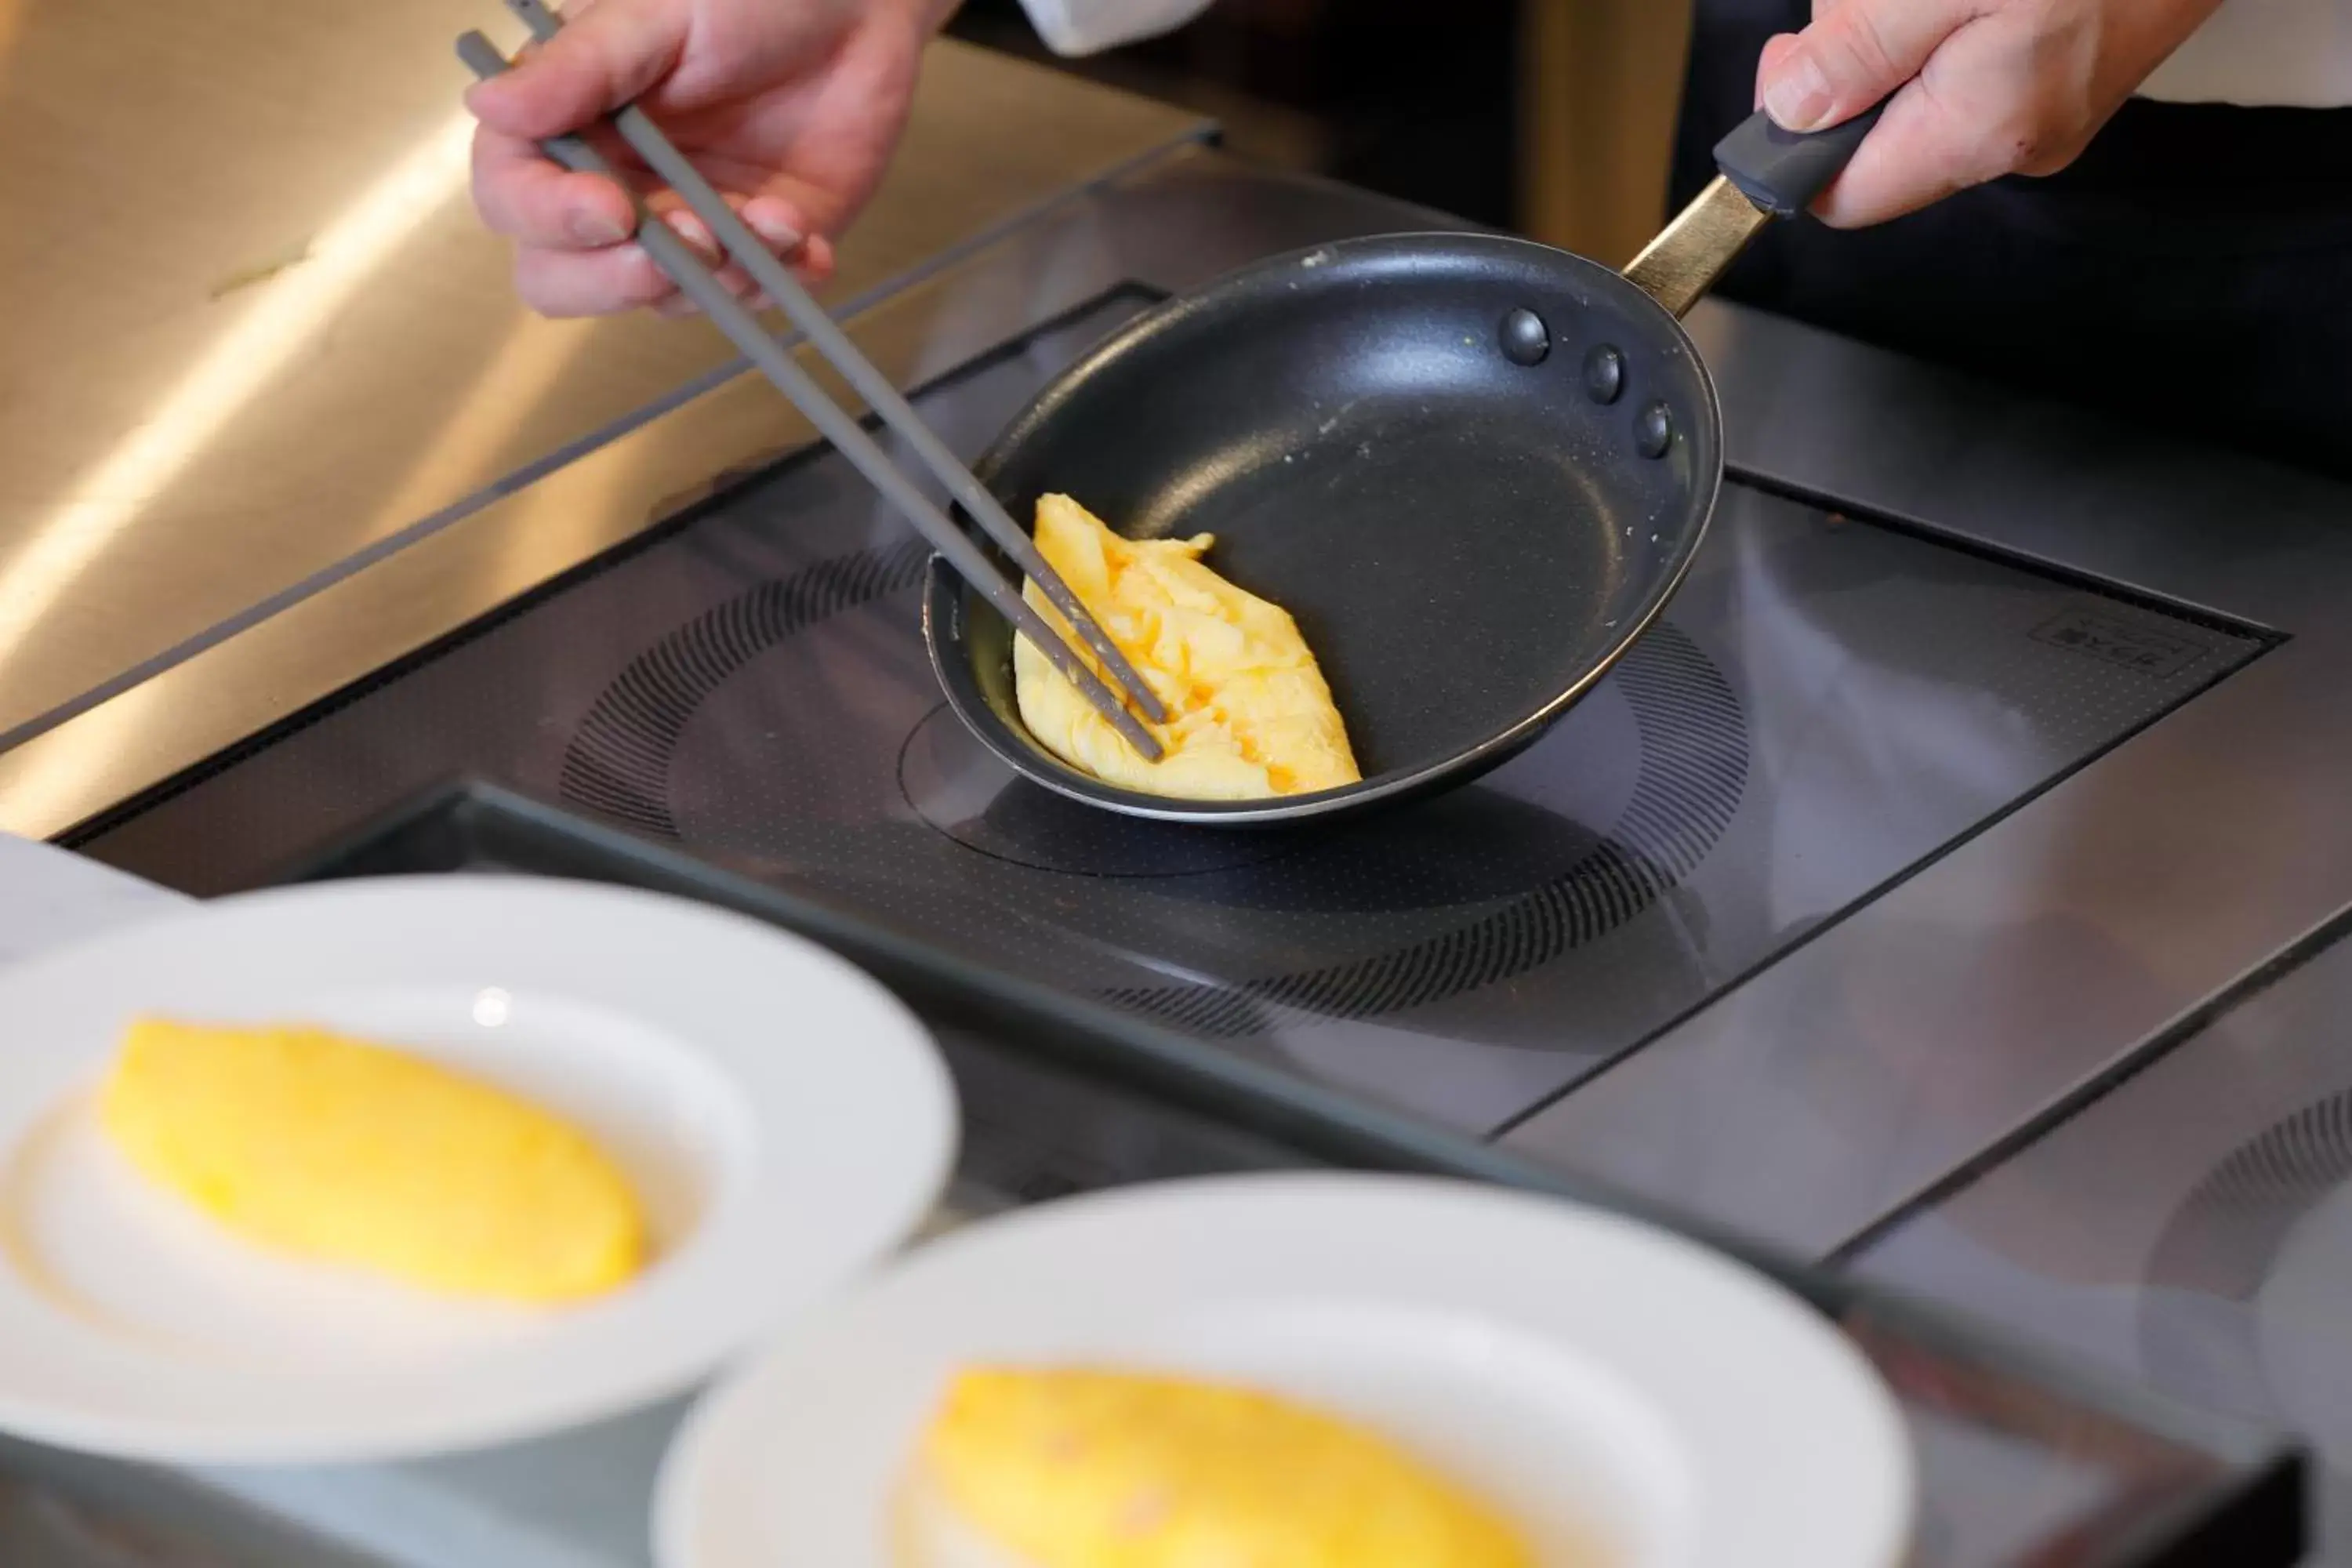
1782	170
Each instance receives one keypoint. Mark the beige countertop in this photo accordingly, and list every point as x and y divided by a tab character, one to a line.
258	338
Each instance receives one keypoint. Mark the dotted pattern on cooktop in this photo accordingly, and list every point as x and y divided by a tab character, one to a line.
2227	1233
2217	1250
1691	774
619	763
1694	772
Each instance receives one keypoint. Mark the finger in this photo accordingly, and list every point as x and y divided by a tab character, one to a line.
522	195
1776	51
559	282
813	264
774	221
681	304
777	222
1918	153
688	227
615	51
1853	57
589	282
620	278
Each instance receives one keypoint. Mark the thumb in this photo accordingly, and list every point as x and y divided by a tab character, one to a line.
1851	58
613	53
1775	52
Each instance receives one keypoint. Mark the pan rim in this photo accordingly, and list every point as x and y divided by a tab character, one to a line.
1031	760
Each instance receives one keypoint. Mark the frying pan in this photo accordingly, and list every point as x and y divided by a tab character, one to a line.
1473	468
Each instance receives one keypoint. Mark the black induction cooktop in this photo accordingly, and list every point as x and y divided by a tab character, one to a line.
2221	1177
1829	703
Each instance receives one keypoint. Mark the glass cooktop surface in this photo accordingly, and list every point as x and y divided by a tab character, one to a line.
2191	1228
1828	703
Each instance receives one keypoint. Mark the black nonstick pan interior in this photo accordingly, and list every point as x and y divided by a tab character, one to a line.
1473	468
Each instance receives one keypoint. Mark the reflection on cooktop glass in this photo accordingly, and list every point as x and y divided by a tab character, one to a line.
1826	703
2192	1228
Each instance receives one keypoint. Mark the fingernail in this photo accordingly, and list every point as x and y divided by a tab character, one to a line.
591	226
781	234
1798	97
692	230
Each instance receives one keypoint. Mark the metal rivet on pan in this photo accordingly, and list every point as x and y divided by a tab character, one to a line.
1653	432
1604	373
1526	340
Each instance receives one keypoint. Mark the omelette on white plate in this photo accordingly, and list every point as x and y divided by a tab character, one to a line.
344	1151
1077	1468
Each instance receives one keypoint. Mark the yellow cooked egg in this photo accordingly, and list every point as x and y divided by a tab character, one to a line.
1079	1468
1250	714
353	1153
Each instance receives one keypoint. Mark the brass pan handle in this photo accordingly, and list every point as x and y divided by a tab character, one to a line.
1767	173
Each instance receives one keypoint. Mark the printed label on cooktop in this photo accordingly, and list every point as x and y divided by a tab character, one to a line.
2103	634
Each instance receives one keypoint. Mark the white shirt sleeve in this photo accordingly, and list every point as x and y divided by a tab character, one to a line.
1086	26
2292	53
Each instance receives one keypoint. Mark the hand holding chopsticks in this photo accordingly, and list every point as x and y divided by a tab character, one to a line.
698	283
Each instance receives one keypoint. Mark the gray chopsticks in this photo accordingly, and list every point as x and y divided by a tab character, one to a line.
698	282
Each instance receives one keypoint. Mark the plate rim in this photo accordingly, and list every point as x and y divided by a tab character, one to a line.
927	1155
693	1450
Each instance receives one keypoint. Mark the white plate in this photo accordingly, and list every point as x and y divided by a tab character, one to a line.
1635	1400
785	1119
